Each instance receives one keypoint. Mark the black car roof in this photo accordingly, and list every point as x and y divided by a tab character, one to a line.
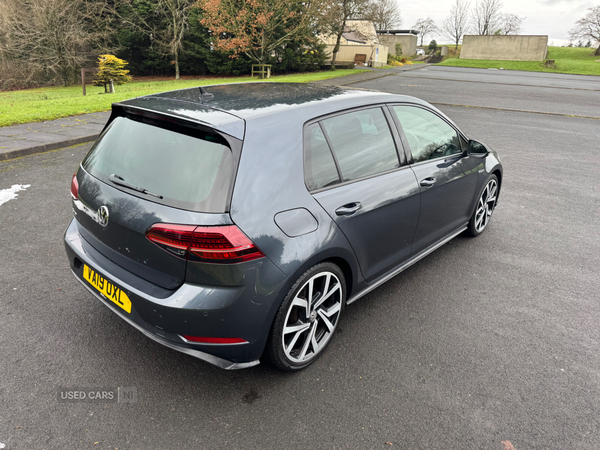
224	106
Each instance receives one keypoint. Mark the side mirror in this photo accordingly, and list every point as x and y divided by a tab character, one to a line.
477	148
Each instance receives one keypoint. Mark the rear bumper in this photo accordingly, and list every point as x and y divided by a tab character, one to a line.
165	316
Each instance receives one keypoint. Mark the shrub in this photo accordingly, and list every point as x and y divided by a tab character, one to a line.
398	49
111	69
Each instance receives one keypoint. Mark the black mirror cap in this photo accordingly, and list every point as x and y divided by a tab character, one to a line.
477	148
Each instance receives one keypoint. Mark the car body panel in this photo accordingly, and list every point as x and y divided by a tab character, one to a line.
381	231
218	120
447	204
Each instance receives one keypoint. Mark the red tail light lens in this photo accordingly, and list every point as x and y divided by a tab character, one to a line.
175	239
74	187
220	245
215	340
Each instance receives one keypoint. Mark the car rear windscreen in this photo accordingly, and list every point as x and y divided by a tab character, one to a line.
192	172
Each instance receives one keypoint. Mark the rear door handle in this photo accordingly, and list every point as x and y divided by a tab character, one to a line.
428	182
348	209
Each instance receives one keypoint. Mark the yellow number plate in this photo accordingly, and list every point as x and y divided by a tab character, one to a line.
106	288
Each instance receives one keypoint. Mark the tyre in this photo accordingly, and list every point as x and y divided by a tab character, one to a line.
307	318
484	208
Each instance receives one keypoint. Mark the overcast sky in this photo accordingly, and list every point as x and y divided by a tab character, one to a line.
547	17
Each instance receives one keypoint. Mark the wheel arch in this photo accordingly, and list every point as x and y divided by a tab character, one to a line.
341	257
346	270
498	174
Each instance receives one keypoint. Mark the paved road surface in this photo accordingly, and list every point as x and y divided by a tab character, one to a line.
529	91
486	340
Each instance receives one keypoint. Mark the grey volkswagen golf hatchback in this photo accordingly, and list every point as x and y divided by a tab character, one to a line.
235	222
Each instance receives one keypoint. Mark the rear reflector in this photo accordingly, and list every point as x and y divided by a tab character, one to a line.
74	187
220	245
215	340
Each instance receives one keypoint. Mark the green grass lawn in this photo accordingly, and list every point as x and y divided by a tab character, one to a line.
36	105
572	60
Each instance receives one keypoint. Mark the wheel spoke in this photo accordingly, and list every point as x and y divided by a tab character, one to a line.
308	340
331	310
326	287
315	345
290	347
326	321
297	327
336	288
300	302
309	297
478	220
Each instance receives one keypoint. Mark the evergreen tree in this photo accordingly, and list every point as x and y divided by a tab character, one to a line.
111	70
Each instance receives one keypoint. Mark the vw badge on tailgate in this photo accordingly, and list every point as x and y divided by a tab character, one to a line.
103	216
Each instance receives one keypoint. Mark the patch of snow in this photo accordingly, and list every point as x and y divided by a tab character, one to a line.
11	194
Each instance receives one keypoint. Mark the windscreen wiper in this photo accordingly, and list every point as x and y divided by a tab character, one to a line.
117	179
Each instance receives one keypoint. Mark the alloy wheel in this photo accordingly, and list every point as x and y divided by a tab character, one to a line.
312	317
486	205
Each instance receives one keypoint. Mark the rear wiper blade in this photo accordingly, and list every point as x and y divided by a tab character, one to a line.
117	179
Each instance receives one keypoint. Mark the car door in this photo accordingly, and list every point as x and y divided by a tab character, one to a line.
446	174
355	172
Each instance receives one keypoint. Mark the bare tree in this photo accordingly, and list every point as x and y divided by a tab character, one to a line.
385	14
53	37
165	21
511	24
487	16
335	15
456	24
588	27
425	27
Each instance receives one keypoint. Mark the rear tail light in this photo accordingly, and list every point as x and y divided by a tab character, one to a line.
74	187
175	239
220	245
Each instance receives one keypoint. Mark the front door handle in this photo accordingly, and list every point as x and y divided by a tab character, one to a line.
428	182
348	209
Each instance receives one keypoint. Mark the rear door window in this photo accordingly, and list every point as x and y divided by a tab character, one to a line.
188	172
362	143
